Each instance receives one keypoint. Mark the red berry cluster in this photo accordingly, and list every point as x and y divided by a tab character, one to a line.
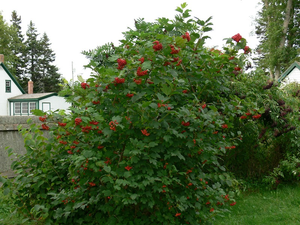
237	37
186	124
78	121
42	118
137	81
140	72
62	124
186	36
121	63
144	132
45	127
112	125
129	95
157	46
128	168
174	50
84	85
119	80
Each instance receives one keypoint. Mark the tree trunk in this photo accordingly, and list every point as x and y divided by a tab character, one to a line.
277	72
283	40
286	22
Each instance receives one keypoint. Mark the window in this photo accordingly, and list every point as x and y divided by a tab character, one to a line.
8	86
31	106
24	108
46	106
17	107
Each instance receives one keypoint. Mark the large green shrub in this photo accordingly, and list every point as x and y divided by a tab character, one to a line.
271	138
146	136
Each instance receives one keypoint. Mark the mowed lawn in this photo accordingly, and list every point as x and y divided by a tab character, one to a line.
262	207
259	207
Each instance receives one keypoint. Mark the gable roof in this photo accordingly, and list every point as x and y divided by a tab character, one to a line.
290	69
12	77
31	97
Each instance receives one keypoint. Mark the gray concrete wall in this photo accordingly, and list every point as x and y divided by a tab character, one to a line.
10	136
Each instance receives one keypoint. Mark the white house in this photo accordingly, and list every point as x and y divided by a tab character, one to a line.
292	74
15	102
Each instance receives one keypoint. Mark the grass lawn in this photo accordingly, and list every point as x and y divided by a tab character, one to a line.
263	207
6	209
260	207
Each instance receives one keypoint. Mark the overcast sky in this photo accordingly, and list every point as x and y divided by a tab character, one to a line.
74	26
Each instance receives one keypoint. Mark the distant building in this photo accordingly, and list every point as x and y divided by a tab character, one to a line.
292	74
15	102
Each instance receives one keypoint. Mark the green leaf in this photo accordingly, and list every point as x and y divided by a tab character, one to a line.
178	9
38	112
212	107
79	77
152	144
166	89
117	118
134	196
153	105
206	29
87	153
170	27
146	65
106	193
161	97
107	169
113	58
137	96
2	180
173	73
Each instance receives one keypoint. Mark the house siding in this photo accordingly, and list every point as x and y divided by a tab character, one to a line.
293	76
4	111
56	102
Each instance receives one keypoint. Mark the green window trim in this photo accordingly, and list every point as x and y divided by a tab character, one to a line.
7	86
23	108
48	106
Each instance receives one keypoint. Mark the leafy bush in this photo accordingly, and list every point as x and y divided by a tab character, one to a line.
271	138
146	138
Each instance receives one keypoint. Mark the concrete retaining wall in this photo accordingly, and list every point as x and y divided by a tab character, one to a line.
10	136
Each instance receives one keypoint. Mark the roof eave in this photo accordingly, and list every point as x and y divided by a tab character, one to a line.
12	77
287	72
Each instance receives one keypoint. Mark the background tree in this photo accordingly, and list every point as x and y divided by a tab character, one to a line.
278	31
49	72
17	47
7	36
32	57
39	62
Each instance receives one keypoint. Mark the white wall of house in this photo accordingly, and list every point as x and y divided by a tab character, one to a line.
4	109
53	103
293	76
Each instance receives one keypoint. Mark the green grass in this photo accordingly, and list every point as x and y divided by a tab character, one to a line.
281	206
260	207
7	215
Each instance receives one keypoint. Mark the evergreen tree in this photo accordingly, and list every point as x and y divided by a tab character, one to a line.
7	37
33	54
49	72
39	60
278	30
18	47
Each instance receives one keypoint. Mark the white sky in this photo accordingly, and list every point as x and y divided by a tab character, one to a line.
74	26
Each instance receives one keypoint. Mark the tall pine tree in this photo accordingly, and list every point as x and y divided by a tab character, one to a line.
33	49
277	27
7	37
39	60
18	47
49	72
